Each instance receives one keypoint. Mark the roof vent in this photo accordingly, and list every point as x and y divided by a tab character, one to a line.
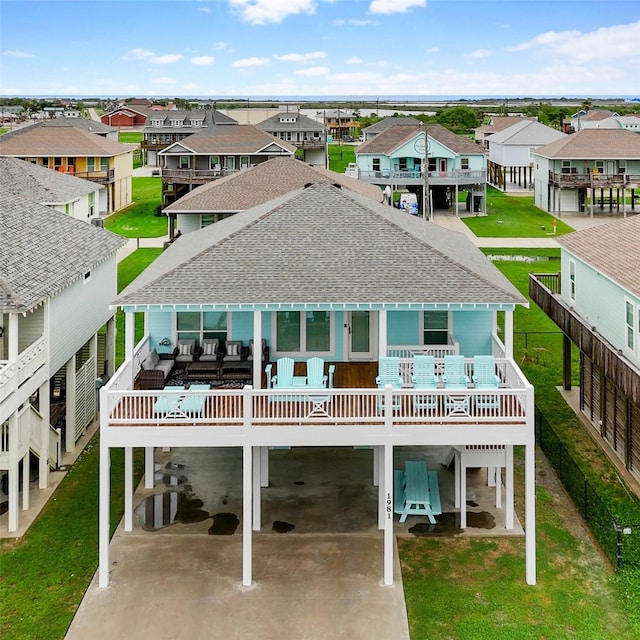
306	186
336	185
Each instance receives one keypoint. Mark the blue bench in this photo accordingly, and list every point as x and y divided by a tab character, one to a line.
416	491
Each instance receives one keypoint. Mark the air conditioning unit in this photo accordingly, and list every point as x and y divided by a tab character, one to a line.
97	222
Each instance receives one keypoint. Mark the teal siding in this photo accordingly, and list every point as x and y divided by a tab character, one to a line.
403	327
160	327
242	326
473	332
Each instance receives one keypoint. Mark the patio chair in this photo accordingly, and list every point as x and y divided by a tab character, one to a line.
186	351
264	350
167	404
389	374
484	377
316	377
194	405
233	351
210	350
424	377
284	375
454	377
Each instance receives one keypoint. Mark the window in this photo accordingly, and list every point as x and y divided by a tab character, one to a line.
402	164
92	203
214	162
209	218
91	164
432	165
376	164
104	164
196	123
183	162
244	162
176	123
436	327
572	280
156	123
629	321
57	163
198	325
464	164
303	332
566	166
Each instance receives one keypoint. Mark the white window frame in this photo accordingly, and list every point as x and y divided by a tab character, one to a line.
422	328
572	280
201	331
631	330
303	353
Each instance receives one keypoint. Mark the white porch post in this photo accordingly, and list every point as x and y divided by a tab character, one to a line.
376	465
530	496
257	349
110	347
45	411
509	487
247	485
382	333
382	487
508	334
128	488
70	376
456	200
129	338
388	522
13	471
256	479
12	347
103	515
149	467
264	466
25	482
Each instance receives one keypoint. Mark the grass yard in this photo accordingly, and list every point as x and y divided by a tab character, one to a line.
139	220
130	137
340	155
513	217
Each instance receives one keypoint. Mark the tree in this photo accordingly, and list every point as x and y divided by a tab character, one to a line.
458	118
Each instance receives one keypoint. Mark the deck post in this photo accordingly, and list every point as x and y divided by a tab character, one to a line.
382	488
128	488
257	348
149	467
103	515
530	497
382	333
247	485
264	466
509	487
257	514
508	334
45	436
388	522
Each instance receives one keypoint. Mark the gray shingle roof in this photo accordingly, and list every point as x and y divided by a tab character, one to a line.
610	248
322	245
264	182
40	184
59	139
301	123
391	121
601	144
209	118
44	251
86	124
526	132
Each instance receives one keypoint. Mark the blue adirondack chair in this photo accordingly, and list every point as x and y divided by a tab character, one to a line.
484	377
168	403
316	377
194	405
388	373
454	377
284	377
424	377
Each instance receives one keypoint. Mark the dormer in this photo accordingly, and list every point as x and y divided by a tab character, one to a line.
196	123
288	118
176	122
157	122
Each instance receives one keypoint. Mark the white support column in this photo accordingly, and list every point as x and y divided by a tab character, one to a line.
149	467
25	482
382	498
128	488
509	509
376	465
388	522
257	497
508	334
456	201
264	466
13	472
129	340
45	439
382	333
110	347
247	484
456	479
530	510
103	515
463	492
70	405
257	348
12	348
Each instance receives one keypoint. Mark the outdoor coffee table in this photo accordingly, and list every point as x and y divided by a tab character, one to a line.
202	370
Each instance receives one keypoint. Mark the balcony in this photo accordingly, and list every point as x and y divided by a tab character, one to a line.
195	176
435	178
101	177
593	180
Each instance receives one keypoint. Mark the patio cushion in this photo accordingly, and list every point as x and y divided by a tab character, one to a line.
210	347
185	349
151	361
233	350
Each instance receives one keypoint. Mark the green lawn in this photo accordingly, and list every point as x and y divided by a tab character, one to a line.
130	137
340	155
139	220
513	217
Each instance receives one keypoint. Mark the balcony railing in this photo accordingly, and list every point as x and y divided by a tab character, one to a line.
457	176
102	177
593	180
14	373
194	175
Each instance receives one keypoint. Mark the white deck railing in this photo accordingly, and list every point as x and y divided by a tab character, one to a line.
14	373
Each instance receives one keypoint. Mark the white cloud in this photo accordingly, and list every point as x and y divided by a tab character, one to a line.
169	58
478	54
250	62
433	50
355	60
263	11
386	7
137	54
202	60
17	54
313	71
164	81
607	43
205	9
300	57
150	56
220	46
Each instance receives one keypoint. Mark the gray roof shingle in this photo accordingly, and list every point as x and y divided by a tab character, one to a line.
44	251
321	244
601	144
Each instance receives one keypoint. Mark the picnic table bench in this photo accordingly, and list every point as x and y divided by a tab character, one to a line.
416	491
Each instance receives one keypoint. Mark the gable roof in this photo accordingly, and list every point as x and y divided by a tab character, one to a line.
209	117
264	182
240	139
321	245
602	144
40	184
59	139
526	132
44	251
301	123
594	114
611	248
92	126
391	121
500	123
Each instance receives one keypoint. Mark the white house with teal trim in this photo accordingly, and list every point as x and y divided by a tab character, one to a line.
321	271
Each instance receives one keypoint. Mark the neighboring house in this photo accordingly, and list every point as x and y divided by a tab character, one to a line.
510	159
495	125
77	198
126	116
630	122
305	133
340	122
321	271
396	157
589	119
163	128
60	146
215	152
227	196
71	113
595	301
386	123
593	169
92	126
57	276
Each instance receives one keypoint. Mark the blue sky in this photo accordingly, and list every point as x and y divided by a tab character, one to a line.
279	48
